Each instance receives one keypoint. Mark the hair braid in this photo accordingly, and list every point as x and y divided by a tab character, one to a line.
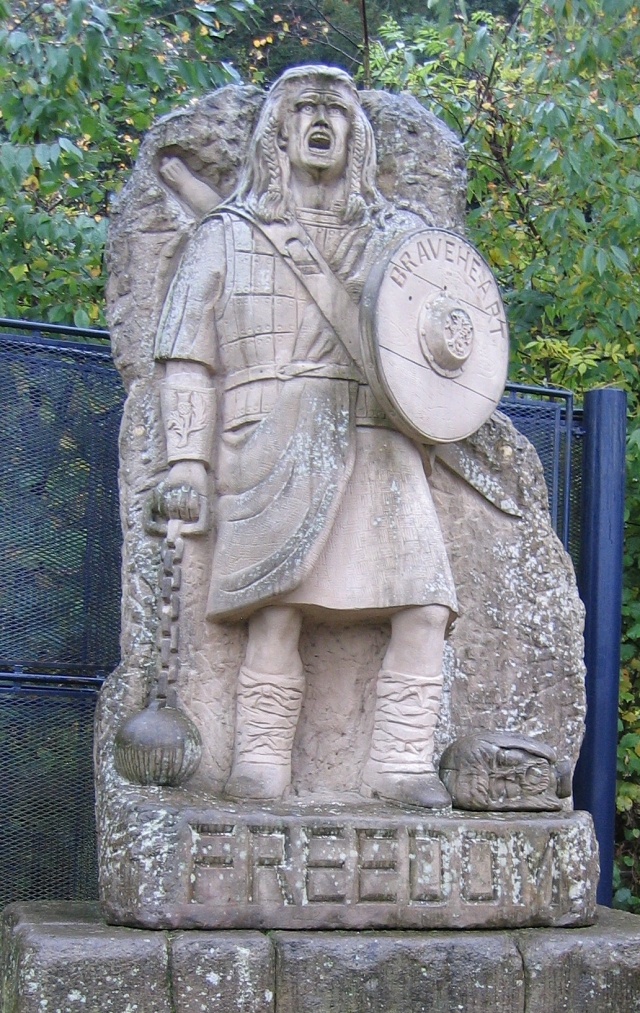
272	204
356	204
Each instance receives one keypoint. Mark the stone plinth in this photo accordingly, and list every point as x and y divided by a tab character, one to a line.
60	958
181	861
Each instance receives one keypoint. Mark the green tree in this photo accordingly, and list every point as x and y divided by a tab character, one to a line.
79	85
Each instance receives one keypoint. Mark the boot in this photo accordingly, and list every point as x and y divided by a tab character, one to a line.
267	712
400	766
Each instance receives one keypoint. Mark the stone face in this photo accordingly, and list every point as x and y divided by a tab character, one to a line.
222	971
348	865
408	972
59	958
500	772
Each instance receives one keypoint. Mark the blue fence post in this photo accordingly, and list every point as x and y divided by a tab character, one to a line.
600	581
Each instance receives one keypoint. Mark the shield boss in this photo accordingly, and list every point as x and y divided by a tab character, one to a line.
435	342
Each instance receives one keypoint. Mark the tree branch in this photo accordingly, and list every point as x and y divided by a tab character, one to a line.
334	28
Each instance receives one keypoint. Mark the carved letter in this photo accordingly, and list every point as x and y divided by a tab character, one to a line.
426	861
398	275
326	875
478	874
269	882
407	261
378	865
220	868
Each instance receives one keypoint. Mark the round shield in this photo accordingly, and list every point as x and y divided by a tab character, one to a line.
435	342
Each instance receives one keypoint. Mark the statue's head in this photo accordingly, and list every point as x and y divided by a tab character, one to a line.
311	121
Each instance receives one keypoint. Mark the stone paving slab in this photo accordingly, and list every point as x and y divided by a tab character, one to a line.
220	972
62	958
591	970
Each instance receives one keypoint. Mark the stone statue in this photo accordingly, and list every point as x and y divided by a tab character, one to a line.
311	351
320	505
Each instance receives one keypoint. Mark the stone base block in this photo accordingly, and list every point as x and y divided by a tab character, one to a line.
345	866
61	958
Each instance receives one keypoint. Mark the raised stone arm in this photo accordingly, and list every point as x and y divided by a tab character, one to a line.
200	196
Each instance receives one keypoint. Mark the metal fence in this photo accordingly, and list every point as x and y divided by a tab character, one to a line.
59	604
549	420
59	524
60	587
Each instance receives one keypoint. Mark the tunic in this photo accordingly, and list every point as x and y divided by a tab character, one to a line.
320	503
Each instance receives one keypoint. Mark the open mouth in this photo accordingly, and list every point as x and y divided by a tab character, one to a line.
319	140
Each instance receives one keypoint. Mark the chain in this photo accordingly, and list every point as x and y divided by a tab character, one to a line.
168	664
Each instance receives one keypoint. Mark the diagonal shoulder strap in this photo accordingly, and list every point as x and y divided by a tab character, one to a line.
304	259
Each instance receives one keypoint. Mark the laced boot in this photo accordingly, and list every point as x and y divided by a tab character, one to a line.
267	712
400	766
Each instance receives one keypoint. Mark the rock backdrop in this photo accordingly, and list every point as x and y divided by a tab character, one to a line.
514	660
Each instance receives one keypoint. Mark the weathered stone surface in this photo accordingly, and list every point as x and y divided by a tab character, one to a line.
591	970
514	661
217	972
61	958
349	865
406	972
421	163
511	665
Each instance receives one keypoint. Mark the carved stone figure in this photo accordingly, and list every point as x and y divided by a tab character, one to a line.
309	498
321	506
498	771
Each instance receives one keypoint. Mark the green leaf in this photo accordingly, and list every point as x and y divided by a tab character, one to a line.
620	258
602	261
70	148
81	318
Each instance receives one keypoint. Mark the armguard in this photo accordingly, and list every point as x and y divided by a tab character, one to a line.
189	415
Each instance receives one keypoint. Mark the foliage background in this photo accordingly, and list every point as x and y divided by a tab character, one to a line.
546	97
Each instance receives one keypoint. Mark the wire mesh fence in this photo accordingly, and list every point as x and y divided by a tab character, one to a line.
47	842
60	591
59	605
550	422
59	524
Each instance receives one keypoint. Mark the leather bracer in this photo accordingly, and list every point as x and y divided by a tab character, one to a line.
189	416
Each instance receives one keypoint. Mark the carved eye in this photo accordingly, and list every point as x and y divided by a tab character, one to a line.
307	107
337	110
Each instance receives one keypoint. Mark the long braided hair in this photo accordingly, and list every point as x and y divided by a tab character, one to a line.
263	189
